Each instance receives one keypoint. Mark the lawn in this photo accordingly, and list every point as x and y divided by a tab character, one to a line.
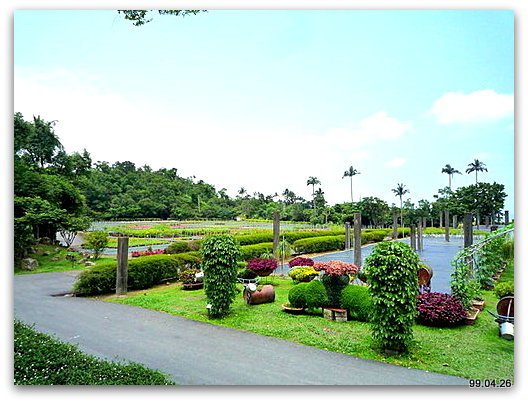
53	258
474	351
112	242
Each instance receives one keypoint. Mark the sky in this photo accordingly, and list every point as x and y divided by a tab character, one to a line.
265	99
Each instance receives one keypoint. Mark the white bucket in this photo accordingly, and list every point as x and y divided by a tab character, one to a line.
506	330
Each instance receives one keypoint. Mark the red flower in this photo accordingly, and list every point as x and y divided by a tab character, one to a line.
336	268
262	267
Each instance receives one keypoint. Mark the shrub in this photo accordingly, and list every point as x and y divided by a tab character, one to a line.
302	274
262	267
357	300
220	255
40	359
463	286
308	295
252	251
292	236
441	310
143	272
504	289
334	286
189	276
182	246
319	244
315	295
301	261
246	273
391	271
96	241
254	238
297	295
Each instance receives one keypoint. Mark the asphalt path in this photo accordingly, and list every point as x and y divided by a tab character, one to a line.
192	352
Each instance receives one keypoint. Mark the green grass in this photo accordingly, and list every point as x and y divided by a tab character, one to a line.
40	359
47	253
468	351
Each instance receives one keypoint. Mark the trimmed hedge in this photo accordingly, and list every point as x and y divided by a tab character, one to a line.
182	247
252	251
357	300
292	236
143	272
254	238
319	244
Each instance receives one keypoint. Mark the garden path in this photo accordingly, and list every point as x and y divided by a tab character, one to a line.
192	352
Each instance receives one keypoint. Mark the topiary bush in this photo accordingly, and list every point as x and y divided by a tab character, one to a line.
254	238
220	254
308	295
315	295
357	300
391	272
440	310
504	289
302	274
189	276
297	295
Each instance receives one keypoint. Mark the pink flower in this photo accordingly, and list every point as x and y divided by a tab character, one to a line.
336	268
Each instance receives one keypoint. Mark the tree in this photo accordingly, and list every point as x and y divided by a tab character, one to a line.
96	241
450	171
476	166
400	191
139	17
373	210
351	172
312	180
69	228
486	199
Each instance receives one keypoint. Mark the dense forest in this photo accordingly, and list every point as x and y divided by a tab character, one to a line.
56	191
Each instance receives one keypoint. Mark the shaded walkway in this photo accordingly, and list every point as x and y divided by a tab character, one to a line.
191	352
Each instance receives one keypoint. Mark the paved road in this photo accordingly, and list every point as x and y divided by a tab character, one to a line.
194	353
437	253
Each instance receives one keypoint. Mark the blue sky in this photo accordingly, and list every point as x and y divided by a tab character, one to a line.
396	94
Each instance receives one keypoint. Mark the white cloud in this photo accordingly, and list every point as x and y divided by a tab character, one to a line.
396	163
478	106
376	127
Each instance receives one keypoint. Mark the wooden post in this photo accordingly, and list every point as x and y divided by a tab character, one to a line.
506	217
357	239
347	235
122	266
441	216
276	232
487	221
413	237
446	222
420	236
394	225
478	220
455	221
468	230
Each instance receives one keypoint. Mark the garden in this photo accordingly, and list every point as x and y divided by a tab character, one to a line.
377	312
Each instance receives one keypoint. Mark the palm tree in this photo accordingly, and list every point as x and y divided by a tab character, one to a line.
351	172
400	191
448	169
312	180
476	166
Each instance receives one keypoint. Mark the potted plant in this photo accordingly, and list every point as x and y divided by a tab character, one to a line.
262	266
192	279
335	276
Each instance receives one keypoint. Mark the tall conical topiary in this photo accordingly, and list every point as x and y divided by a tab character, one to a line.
391	271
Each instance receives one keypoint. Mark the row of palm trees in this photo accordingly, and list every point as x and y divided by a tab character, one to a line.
400	190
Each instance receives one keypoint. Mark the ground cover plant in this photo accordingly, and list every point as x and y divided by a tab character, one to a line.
40	359
469	351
